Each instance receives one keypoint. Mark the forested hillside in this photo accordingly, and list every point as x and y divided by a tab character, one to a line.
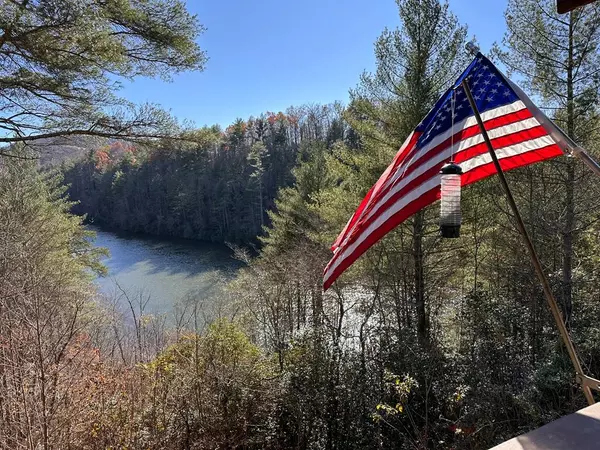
216	189
424	343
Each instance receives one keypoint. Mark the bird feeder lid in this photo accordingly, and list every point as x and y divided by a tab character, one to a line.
451	169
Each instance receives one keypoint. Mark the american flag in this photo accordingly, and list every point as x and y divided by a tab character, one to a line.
520	134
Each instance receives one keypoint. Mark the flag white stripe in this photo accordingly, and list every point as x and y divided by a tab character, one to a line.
522	125
507	152
447	152
473	163
465	123
564	142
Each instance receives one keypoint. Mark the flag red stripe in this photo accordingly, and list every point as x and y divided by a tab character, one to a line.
432	195
463	155
512	162
466	133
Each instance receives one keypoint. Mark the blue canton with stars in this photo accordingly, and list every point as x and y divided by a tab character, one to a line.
488	87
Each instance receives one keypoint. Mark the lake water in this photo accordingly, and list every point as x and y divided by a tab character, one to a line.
167	271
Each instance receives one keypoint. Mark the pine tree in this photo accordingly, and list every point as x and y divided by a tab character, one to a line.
415	63
59	62
558	58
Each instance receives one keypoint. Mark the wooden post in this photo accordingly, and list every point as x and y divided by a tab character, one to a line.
580	376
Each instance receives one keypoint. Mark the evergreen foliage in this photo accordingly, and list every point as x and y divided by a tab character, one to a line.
60	62
424	343
219	189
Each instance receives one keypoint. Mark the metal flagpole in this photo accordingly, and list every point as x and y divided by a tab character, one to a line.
559	135
564	141
585	381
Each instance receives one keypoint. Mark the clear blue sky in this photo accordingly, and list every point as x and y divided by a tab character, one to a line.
268	55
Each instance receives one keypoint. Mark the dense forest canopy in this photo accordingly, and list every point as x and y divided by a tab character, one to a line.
424	344
218	188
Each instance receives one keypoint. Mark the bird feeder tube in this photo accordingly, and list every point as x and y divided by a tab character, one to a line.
450	213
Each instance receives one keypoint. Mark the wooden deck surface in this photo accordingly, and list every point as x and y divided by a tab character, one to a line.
578	431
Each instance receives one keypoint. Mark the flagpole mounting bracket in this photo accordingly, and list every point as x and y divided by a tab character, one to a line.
472	48
584	380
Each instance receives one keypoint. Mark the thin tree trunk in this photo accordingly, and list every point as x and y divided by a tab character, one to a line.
567	244
419	278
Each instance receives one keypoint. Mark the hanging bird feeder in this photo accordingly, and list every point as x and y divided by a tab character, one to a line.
450	216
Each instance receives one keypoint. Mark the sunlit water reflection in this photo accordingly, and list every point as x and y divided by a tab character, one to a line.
165	271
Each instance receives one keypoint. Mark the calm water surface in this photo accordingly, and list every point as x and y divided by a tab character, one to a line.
167	270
